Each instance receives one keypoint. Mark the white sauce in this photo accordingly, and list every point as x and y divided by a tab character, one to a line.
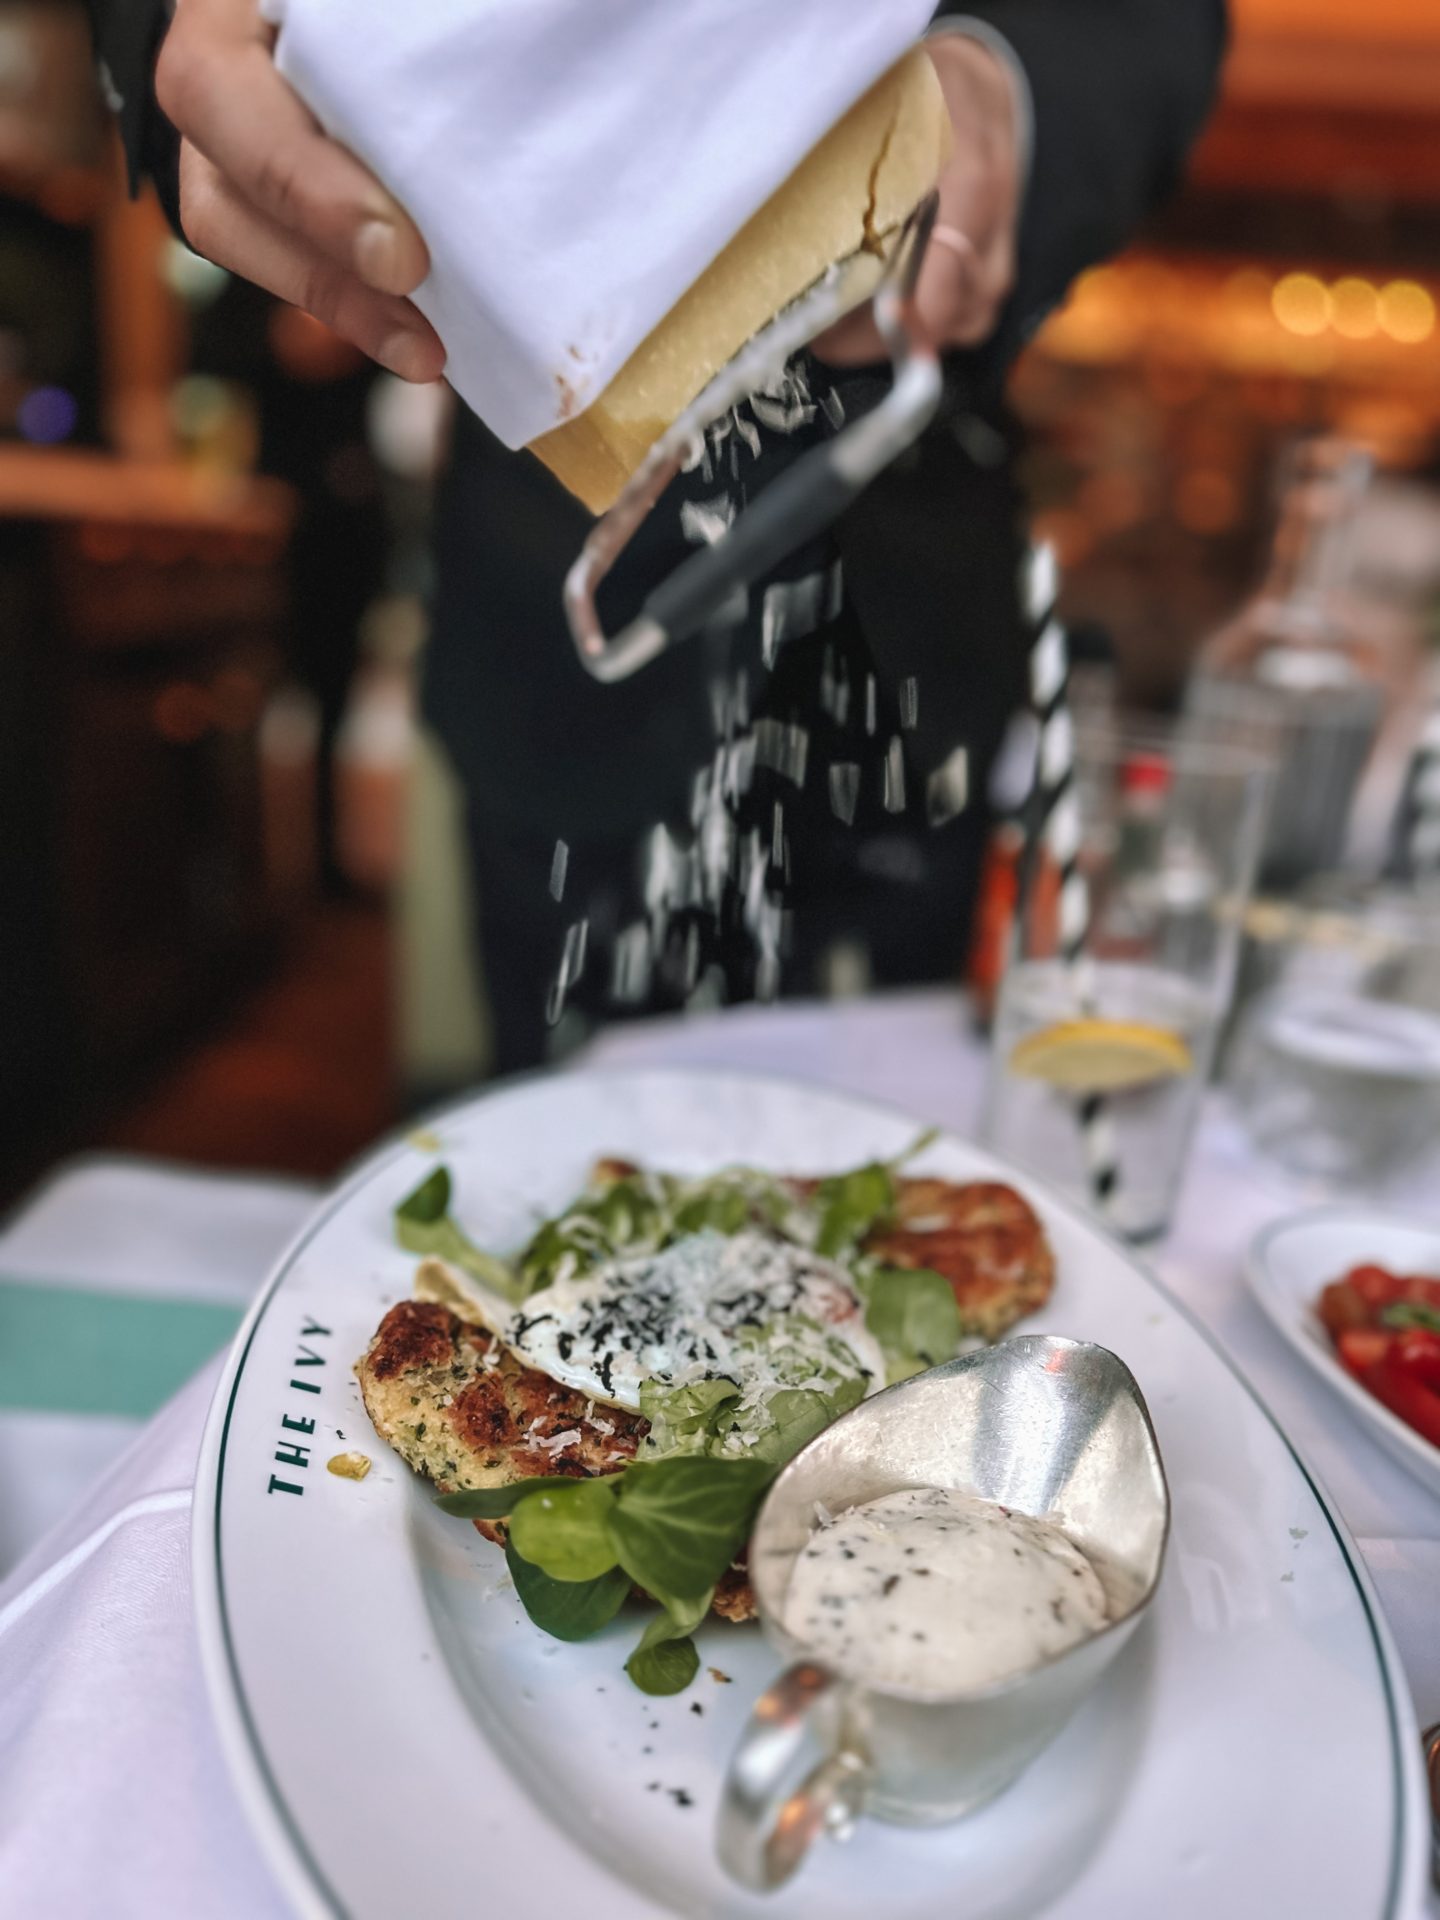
938	1590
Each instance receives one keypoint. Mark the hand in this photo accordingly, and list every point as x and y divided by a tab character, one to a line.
265	193
959	292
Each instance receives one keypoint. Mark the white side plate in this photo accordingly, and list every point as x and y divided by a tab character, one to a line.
407	1743
1291	1260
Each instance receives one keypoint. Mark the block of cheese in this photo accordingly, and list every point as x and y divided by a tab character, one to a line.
841	206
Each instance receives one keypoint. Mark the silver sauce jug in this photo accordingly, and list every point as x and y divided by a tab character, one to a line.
1051	1427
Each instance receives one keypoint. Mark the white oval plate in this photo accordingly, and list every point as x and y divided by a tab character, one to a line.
405	1741
1291	1260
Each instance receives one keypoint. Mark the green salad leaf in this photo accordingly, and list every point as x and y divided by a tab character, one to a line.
496	1503
1411	1313
714	1207
853	1204
429	1202
626	1216
913	1314
666	1660
423	1225
850	1205
565	1530
568	1609
667	1667
679	1523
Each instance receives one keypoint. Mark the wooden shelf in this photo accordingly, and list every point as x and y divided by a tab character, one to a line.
61	484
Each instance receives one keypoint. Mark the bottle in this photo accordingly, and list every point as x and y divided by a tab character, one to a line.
1132	902
1293	675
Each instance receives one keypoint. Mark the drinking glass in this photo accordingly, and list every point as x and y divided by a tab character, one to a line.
1335	1067
1106	1024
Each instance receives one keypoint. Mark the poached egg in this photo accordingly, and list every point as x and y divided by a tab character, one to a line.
744	1307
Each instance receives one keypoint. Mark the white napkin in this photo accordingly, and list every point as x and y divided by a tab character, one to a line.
111	1260
114	1794
574	165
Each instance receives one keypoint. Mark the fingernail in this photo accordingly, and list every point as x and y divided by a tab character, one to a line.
408	352
378	256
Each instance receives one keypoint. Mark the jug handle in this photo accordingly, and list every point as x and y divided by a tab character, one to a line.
769	1818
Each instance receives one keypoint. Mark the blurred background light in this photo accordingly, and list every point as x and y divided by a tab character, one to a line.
1407	312
1301	304
197	281
1355	308
47	415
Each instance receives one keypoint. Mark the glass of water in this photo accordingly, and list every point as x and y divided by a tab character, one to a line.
1335	1068
1121	968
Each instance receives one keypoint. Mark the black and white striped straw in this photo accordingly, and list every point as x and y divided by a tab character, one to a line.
1416	851
1055	824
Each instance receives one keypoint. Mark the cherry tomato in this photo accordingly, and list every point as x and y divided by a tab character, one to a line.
1364	1347
1341	1306
1416	1405
1375	1286
1417	1352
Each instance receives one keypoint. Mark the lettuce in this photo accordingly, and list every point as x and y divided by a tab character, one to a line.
794	1415
687	1419
711	1416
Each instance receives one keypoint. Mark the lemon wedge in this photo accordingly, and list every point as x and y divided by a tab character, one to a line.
1101	1056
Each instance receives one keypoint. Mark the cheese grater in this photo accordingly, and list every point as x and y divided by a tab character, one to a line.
805	500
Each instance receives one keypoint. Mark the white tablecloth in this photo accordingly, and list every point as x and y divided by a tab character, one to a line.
113	1797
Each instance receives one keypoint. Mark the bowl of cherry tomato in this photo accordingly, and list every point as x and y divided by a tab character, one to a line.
1357	1295
1386	1330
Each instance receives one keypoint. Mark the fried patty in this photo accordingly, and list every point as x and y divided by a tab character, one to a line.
462	1410
983	1237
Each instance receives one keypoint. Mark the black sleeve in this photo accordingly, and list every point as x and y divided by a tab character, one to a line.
1120	89
127	35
